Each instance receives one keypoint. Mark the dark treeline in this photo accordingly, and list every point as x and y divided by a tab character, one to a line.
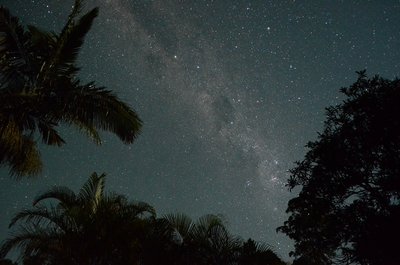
347	210
94	227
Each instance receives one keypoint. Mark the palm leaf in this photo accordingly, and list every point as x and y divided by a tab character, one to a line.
69	43
262	247
100	109
92	191
51	66
43	44
210	232
27	237
17	109
49	135
76	9
27	161
13	56
64	195
140	209
18	150
45	218
181	224
205	224
88	129
252	252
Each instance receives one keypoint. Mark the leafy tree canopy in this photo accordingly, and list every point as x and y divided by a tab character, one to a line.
348	208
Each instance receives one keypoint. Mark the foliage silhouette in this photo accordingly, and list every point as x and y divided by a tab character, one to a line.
348	210
92	227
39	90
7	262
254	253
206	241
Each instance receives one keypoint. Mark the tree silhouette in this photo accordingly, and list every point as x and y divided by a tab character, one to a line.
90	227
96	228
254	253
7	262
206	241
348	208
39	90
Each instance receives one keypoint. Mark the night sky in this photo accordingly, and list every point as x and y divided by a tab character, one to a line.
229	91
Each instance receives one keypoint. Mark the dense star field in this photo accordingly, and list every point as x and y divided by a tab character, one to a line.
229	93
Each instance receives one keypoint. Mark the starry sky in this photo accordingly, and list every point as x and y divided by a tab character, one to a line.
229	91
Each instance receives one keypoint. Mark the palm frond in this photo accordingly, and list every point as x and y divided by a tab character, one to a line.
11	139
252	252
181	224
43	44
72	44
18	150
205	223
99	108
211	232
27	237
49	135
53	63
262	247
88	129
140	209
93	189
27	162
69	43
13	55
45	218
220	238
76	10
64	195
18	109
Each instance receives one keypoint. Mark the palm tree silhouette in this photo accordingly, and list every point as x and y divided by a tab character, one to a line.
208	241
205	241
95	228
90	227
255	253
39	90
